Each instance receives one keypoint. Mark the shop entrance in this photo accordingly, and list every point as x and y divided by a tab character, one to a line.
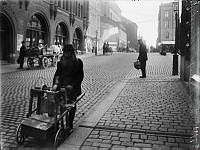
6	39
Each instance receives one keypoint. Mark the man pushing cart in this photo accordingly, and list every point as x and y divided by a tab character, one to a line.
52	109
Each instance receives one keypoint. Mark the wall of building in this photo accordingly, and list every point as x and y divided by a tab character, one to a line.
18	16
195	40
194	74
93	32
131	30
111	28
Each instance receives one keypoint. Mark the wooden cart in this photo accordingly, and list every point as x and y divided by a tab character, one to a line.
47	118
43	58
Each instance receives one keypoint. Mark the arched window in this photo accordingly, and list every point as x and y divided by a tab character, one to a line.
59	3
77	40
79	10
35	33
61	35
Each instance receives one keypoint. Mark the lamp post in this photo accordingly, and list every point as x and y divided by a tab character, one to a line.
96	43
176	46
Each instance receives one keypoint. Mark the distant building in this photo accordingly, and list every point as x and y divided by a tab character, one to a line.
112	31
166	27
131	31
93	32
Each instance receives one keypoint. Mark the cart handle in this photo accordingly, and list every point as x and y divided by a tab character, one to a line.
69	106
47	91
79	97
29	114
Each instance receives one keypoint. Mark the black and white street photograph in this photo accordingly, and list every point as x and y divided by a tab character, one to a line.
100	74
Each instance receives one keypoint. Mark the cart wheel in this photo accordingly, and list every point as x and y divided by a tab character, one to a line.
45	62
19	135
59	137
30	63
54	61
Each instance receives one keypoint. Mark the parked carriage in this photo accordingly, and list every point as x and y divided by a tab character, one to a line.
47	118
107	50
41	57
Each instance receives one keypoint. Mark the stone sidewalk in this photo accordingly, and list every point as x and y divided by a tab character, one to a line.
146	114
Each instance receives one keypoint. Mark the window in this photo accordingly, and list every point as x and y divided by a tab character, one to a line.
60	36
79	10
59	3
166	24
67	5
167	35
166	14
76	9
76	40
82	11
64	6
35	32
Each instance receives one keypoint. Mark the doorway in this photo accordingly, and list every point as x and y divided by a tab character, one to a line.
6	38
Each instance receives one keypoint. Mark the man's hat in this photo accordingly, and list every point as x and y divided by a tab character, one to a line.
68	48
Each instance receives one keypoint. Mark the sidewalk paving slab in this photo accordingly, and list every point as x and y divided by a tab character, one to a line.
152	113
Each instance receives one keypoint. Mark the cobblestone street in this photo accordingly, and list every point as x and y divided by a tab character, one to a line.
150	113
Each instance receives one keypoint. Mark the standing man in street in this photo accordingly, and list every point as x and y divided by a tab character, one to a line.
22	54
142	57
69	75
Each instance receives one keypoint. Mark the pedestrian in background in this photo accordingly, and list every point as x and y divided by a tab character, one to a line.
69	75
22	54
104	48
142	57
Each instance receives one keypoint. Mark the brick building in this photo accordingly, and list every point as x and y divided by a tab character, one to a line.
50	21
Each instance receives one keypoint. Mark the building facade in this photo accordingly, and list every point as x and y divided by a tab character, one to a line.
112	30
195	38
166	26
131	30
93	31
194	65
55	21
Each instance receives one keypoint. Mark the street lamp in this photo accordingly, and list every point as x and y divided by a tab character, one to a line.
176	46
96	43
